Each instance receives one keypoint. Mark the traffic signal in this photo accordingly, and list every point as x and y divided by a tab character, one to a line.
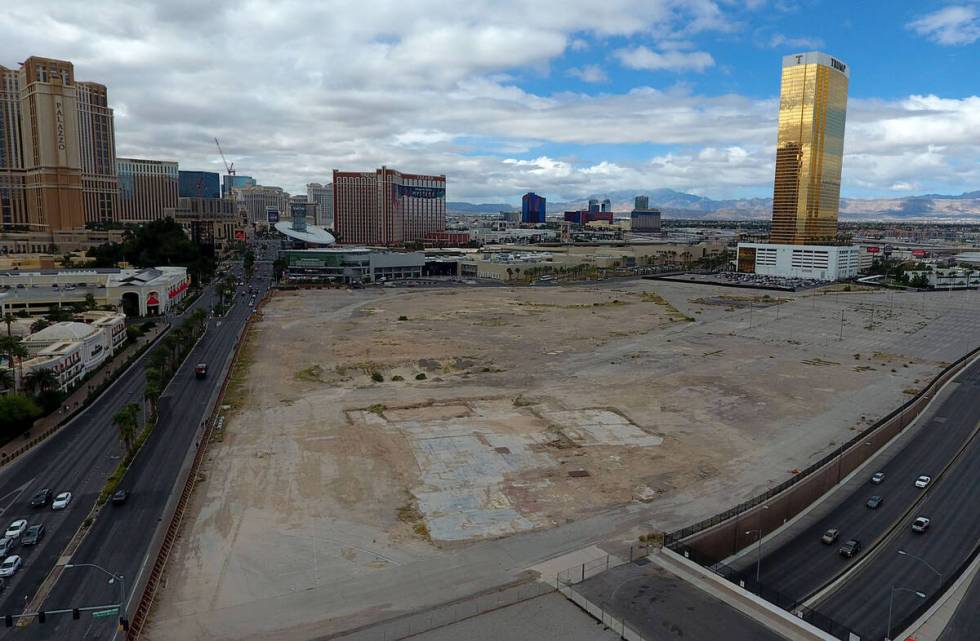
8	620
123	624
41	617
76	614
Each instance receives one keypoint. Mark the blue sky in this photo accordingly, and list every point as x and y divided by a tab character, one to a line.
563	97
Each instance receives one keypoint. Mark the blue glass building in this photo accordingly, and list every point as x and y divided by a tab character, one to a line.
532	208
199	184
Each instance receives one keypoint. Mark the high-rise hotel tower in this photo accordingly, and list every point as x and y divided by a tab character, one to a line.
57	148
809	149
806	191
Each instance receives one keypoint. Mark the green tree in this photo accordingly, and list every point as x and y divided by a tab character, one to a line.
6	378
17	414
41	380
152	395
9	318
126	421
90	301
14	349
248	264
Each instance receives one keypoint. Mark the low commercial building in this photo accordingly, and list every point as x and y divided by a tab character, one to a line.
95	347
111	324
138	292
64	358
819	262
352	265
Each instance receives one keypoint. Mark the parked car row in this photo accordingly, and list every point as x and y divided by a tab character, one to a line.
853	546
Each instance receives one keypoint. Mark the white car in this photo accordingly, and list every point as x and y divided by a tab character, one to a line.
922	481
16	529
921	524
61	501
10	565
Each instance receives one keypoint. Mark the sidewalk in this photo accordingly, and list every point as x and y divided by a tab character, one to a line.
78	400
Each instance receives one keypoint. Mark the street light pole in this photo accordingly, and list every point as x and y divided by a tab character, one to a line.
891	603
758	553
925	563
116	577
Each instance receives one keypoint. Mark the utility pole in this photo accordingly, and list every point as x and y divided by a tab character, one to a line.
841	325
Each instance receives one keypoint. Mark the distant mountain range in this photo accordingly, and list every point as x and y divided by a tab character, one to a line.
675	204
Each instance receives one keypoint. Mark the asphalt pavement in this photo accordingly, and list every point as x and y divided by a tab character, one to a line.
663	607
931	558
80	458
803	565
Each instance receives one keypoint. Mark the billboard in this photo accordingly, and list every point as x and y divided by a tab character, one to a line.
874	250
272	215
239	234
420	192
920	253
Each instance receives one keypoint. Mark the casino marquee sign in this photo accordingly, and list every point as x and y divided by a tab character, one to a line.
420	192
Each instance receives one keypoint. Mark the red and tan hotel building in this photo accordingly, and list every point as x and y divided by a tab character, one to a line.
387	207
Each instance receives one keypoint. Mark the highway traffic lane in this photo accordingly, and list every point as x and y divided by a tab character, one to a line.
861	602
80	464
805	564
151	485
79	459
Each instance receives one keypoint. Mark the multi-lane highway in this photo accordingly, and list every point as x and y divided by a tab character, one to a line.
80	457
912	562
803	565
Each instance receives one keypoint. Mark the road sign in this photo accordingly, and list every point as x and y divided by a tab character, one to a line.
100	614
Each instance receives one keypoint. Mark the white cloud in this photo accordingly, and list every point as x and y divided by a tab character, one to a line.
643	58
779	41
588	73
953	25
294	89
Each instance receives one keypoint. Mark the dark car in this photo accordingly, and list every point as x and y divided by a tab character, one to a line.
830	535
42	498
33	535
120	497
874	502
850	548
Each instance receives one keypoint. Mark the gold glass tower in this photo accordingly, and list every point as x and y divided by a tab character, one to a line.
809	150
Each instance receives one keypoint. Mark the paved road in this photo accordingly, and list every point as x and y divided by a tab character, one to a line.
119	540
663	607
803	565
952	504
965	624
80	457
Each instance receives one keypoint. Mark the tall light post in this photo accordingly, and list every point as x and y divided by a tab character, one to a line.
891	603
925	563
758	553
112	577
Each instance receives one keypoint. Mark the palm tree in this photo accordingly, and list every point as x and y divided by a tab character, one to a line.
9	318
126	421
15	351
41	380
7	378
152	395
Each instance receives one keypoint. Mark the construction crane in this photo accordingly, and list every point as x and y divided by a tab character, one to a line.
229	168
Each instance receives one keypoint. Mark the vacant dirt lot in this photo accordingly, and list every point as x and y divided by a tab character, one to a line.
372	430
